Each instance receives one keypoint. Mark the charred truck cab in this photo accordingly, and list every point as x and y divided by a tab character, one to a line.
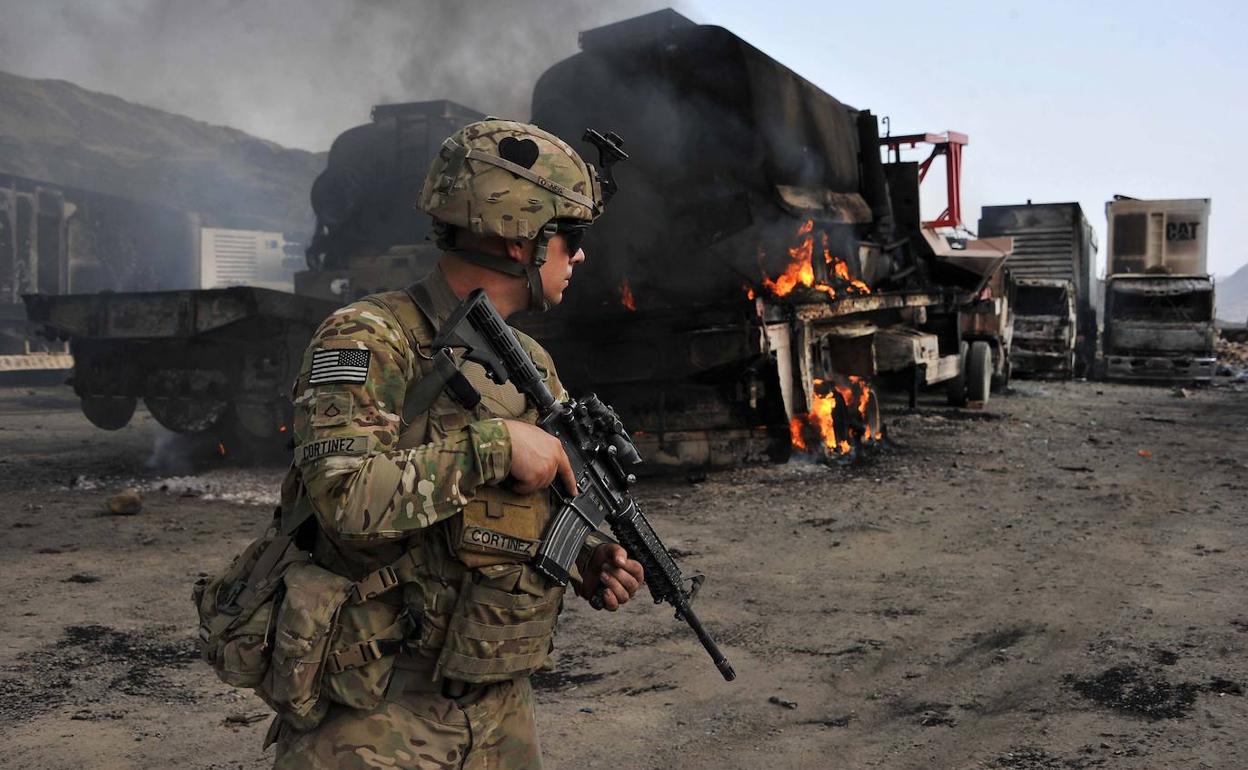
1159	297
1044	328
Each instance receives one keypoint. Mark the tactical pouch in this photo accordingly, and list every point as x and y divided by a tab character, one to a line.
500	527
368	635
502	626
301	643
236	609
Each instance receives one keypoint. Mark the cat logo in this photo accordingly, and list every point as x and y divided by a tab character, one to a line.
1181	231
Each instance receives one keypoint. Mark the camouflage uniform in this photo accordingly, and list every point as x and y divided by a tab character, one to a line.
415	498
369	504
492	727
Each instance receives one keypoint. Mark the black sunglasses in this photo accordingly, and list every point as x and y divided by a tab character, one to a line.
573	235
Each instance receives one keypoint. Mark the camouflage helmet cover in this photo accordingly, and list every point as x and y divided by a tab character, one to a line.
506	178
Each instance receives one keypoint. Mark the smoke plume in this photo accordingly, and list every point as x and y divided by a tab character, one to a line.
300	71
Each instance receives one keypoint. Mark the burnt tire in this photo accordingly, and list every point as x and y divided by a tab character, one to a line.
187	415
109	412
955	389
979	372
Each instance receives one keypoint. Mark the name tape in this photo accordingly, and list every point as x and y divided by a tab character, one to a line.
498	541
343	445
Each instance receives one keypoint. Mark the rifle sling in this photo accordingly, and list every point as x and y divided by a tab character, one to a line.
445	371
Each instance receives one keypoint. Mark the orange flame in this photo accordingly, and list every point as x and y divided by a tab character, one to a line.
626	295
853	393
801	271
221	448
795	433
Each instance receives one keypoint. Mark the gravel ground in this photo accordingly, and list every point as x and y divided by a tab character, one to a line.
1055	582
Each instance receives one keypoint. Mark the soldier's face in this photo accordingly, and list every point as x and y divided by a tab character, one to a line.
557	272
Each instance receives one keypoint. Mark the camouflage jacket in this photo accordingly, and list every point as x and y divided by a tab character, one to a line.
368	487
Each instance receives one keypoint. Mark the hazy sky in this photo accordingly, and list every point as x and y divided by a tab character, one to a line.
1062	100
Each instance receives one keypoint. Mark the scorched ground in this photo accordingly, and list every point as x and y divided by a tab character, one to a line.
1058	582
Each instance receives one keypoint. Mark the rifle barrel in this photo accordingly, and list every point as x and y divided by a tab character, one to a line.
721	662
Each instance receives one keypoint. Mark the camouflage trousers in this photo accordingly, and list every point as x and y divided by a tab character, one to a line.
491	728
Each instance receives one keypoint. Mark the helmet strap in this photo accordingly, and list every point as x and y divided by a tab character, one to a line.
533	271
490	261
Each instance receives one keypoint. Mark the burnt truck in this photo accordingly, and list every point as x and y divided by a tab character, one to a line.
1054	266
761	265
220	361
1045	323
1159	296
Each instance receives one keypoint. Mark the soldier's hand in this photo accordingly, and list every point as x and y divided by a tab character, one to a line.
612	575
537	458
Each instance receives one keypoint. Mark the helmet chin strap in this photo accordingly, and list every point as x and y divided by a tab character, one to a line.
537	295
531	273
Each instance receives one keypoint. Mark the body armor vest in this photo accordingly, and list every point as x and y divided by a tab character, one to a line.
481	613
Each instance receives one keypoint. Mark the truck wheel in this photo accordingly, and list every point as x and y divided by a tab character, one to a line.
955	389
979	372
109	412
186	415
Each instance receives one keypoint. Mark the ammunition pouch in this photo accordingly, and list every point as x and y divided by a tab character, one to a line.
502	626
370	633
237	608
302	633
500	527
334	640
299	634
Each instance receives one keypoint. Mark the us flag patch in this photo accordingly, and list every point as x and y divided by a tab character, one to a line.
339	365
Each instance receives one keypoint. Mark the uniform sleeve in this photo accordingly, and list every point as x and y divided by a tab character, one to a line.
347	403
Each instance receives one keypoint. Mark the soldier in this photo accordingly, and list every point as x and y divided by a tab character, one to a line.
431	508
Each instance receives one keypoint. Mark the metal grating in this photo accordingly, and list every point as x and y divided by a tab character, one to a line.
1041	252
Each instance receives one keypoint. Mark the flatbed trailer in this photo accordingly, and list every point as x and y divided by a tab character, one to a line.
191	356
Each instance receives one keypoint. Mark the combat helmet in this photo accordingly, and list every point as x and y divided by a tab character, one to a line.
513	180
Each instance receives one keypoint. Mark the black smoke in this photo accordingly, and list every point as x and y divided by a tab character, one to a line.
300	71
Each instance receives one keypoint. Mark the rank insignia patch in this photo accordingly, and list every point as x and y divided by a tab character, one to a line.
334	365
332	409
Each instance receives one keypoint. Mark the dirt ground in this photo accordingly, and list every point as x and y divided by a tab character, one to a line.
1055	582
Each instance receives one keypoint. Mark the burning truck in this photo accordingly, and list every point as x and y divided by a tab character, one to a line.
762	264
760	267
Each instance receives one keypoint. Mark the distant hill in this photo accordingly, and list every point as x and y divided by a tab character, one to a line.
1232	296
55	131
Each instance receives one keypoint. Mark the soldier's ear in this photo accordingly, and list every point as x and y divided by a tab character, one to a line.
519	249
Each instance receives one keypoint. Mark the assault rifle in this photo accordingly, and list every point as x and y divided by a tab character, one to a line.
600	452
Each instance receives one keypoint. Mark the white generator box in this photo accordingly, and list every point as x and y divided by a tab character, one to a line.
244	258
1161	236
